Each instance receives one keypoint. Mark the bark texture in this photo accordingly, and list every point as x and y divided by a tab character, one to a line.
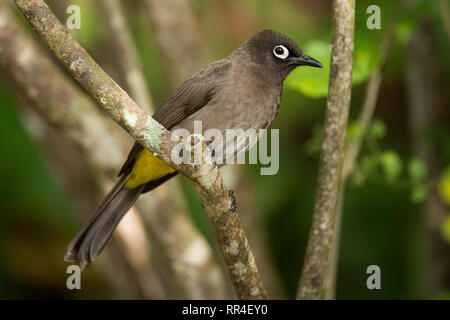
319	246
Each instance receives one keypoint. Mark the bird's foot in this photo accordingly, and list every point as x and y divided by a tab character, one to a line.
233	206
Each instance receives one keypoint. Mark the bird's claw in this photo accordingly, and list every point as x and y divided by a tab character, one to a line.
233	206
214	164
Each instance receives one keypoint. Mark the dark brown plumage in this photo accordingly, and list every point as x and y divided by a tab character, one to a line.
242	91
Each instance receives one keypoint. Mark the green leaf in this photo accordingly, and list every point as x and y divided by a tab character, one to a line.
314	144
313	82
417	170
377	129
368	165
391	164
419	193
404	30
354	131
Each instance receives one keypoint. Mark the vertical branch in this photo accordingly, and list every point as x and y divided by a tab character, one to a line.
320	240
353	149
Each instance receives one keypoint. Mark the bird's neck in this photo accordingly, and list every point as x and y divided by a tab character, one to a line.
262	76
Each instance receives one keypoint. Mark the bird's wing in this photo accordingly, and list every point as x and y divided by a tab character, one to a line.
193	94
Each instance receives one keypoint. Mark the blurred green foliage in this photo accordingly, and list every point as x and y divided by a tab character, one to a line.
314	82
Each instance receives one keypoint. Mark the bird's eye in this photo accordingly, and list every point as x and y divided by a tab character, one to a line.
281	52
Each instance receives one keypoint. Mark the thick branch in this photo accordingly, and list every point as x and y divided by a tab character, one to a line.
330	168
157	139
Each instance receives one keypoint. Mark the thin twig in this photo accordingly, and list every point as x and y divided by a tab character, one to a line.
153	136
319	246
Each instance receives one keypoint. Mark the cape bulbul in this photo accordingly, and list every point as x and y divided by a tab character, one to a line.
242	91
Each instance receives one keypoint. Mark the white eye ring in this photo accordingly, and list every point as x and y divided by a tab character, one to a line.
281	52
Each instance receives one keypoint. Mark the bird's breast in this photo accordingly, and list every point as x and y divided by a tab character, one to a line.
242	108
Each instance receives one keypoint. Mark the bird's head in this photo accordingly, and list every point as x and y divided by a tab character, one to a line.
276	54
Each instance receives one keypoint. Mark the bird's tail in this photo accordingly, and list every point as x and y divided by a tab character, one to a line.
90	240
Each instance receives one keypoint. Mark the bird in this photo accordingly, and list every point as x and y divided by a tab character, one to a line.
241	91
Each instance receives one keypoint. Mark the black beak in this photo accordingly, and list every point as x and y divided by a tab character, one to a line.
305	60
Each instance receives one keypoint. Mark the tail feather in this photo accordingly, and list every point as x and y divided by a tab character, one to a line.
72	248
94	235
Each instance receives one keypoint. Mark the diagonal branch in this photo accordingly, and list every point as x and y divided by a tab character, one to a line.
196	275
317	257
38	82
153	136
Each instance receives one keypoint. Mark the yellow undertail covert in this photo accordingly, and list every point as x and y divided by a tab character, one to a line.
147	168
